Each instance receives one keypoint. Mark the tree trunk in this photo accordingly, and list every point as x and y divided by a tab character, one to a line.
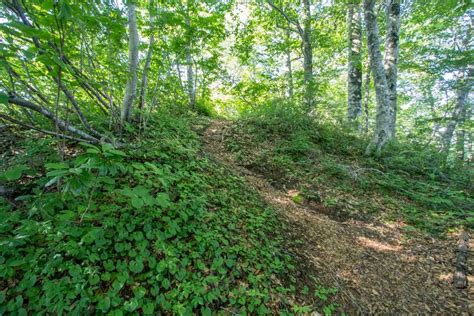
460	140
367	98
307	55
430	99
383	131
288	64
131	88
146	67
391	57
462	105
189	65
354	80
460	108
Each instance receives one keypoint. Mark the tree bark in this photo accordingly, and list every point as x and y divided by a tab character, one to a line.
130	92
354	80
307	55
460	108
391	57
367	98
383	131
19	11
189	64
146	67
306	47
288	65
53	118
464	87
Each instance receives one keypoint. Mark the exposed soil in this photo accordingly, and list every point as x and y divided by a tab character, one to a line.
375	267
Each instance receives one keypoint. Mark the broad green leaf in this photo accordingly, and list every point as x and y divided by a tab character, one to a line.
136	266
148	309
104	304
64	11
131	305
95	279
163	200
14	173
166	283
3	98
57	165
137	202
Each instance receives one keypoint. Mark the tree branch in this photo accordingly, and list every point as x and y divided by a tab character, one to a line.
15	121
290	20
57	121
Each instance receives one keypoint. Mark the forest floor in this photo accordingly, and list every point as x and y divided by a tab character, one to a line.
375	267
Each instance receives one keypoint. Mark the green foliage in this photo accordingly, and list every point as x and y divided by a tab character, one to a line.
327	164
153	228
13	173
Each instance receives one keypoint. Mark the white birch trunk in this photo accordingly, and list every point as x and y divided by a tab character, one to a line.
391	57
307	55
130	92
367	98
461	107
354	65
189	65
146	67
463	89
288	65
383	131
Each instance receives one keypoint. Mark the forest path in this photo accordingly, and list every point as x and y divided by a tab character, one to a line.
375	268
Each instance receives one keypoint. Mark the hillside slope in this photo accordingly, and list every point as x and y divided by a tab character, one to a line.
376	267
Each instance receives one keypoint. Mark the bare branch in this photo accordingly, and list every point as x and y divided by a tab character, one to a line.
15	121
59	122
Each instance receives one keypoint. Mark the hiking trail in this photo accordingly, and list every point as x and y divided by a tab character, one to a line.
375	268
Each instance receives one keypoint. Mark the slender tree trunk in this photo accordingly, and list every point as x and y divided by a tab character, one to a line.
460	141
178	71
391	57
354	80
189	65
469	151
306	47
383	131
146	67
460	108
288	64
462	105
431	101
131	88
367	98
307	55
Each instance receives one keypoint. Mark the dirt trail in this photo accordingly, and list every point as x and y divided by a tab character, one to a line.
374	267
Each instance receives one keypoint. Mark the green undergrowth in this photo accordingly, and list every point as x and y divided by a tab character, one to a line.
154	228
327	166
